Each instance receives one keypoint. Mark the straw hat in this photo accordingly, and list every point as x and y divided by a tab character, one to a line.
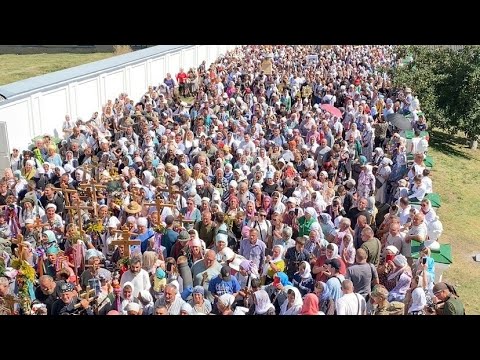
133	208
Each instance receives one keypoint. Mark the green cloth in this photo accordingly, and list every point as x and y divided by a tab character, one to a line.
409	134
444	256
434	199
428	161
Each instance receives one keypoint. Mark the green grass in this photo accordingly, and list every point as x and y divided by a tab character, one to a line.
456	177
20	67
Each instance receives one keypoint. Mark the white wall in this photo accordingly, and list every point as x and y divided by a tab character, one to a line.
44	111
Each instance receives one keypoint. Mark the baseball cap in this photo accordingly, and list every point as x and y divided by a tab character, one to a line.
334	263
225	273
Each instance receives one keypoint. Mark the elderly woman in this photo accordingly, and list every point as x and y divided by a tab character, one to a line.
402	275
29	211
347	250
29	170
276	263
293	304
305	222
263	306
303	280
366	181
198	303
328	227
381	177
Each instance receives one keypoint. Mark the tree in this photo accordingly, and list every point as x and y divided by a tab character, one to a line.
447	83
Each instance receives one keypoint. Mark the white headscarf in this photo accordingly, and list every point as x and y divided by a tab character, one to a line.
335	252
419	300
297	305
263	303
307	273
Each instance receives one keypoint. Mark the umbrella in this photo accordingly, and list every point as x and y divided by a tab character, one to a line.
332	110
399	121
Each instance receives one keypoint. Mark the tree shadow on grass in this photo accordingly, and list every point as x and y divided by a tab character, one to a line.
446	143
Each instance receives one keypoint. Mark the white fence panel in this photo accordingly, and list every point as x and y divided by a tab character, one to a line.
18	131
87	99
43	110
53	107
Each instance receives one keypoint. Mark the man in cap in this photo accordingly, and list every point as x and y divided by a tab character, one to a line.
68	303
448	300
181	246
224	283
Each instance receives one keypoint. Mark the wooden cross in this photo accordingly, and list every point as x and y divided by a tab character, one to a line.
10	302
93	186
159	204
181	219
38	224
125	240
65	192
20	246
88	293
78	208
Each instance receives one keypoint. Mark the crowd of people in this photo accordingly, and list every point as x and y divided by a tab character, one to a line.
268	183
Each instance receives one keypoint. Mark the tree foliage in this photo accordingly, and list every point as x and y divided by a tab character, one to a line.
447	83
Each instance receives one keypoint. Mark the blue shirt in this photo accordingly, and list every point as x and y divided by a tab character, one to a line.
219	287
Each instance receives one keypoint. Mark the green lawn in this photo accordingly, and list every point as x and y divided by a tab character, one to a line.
19	67
456	177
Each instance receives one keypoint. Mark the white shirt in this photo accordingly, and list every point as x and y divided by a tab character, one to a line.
351	304
140	281
428	184
418	192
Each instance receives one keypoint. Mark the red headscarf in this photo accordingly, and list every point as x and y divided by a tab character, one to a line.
310	305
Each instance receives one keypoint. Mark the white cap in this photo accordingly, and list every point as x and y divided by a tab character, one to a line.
199	182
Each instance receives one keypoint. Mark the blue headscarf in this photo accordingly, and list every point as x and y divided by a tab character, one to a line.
283	278
325	293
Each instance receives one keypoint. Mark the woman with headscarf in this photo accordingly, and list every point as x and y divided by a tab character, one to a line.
198	302
146	301
320	266
197	248
303	280
225	303
293	304
366	182
378	156
381	177
402	275
127	297
263	306
328	227
29	211
310	305
315	242
347	250
326	303
277	291
275	263
416	299
305	222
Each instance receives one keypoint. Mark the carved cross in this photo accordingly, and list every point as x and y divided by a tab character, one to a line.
20	246
10	302
78	208
159	204
181	220
93	186
125	240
